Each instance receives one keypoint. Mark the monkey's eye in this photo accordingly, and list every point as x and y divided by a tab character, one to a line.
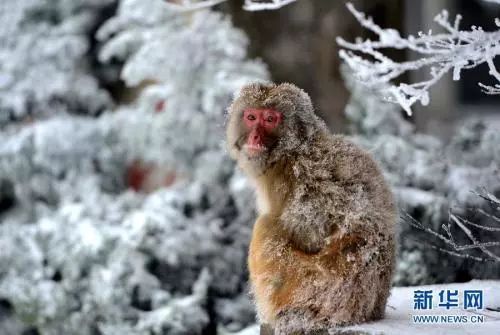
270	119
251	117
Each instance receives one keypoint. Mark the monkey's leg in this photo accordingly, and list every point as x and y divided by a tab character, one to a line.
278	270
385	279
266	268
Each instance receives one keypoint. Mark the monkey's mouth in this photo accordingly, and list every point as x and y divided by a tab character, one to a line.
254	149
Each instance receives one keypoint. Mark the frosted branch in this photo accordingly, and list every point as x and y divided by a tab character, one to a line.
250	5
450	240
265	5
187	5
452	50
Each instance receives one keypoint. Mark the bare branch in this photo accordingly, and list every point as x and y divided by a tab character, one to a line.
449	240
453	253
482	227
474	240
494	218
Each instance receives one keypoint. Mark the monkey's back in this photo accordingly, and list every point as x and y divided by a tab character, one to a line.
327	258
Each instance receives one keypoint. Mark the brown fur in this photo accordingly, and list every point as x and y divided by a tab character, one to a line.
322	248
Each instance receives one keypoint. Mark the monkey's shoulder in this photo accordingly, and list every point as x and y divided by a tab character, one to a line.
336	158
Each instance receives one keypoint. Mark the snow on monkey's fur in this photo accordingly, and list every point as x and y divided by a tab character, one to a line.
322	248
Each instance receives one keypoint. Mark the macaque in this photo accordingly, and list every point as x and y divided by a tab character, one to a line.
322	248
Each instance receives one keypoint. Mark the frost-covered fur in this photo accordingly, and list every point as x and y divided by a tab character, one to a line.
322	249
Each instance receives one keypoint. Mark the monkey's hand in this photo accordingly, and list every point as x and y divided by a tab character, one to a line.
278	268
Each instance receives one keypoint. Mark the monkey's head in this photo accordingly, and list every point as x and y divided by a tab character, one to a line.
269	122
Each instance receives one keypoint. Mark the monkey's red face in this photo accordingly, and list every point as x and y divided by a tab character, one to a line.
262	127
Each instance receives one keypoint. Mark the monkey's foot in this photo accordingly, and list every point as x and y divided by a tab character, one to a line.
266	329
299	322
300	332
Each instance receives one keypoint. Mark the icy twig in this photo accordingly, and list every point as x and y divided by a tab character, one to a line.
482	227
453	253
449	239
265	5
250	5
453	50
188	5
474	241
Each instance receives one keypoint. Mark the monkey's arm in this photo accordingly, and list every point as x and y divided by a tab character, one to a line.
278	269
277	258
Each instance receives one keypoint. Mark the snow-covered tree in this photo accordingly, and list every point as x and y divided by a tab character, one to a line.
44	68
133	222
451	50
196	62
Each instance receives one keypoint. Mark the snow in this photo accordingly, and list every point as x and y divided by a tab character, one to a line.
400	308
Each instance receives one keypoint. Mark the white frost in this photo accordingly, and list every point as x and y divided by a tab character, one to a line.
452	50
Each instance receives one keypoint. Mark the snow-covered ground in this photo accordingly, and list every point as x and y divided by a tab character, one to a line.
399	312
